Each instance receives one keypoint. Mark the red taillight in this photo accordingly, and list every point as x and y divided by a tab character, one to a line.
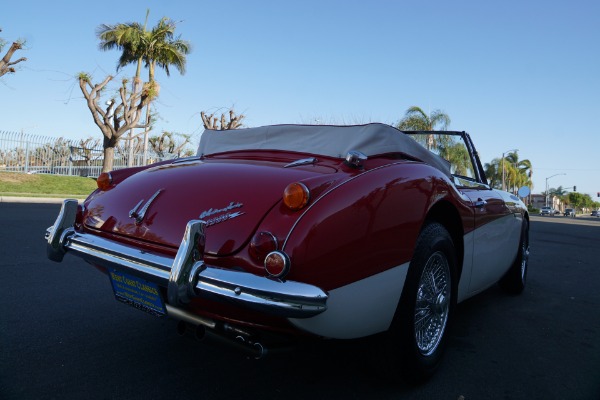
296	196
277	264
104	181
262	243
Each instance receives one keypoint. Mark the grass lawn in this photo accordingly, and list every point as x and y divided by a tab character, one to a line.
44	185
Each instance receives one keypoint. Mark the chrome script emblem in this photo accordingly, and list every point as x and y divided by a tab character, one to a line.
221	218
139	215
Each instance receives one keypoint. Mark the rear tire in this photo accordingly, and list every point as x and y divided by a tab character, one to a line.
417	337
515	279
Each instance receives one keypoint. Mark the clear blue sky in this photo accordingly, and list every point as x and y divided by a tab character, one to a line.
514	74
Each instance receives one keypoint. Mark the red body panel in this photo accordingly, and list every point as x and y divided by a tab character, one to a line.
357	223
196	190
366	225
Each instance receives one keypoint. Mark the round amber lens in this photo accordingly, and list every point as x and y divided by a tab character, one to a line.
296	196
104	181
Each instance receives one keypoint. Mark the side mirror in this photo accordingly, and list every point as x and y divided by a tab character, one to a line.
524	192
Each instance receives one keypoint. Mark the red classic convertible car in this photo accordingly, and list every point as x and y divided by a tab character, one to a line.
295	230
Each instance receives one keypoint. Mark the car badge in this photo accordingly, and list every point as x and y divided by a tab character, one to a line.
221	218
139	214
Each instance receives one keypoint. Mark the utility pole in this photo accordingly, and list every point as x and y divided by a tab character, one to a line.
547	195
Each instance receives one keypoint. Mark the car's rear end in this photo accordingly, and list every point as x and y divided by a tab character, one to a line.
213	226
241	241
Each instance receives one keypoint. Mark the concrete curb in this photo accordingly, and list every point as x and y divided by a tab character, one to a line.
43	200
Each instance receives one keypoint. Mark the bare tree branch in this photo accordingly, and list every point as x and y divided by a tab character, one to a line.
6	66
113	121
220	124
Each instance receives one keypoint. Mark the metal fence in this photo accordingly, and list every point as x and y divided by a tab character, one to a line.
21	152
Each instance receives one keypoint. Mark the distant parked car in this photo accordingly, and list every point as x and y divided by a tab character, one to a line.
548	211
596	213
569	212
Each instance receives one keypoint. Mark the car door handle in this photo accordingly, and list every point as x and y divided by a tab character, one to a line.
480	203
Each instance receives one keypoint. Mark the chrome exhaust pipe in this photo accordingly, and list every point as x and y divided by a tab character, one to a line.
200	333
197	331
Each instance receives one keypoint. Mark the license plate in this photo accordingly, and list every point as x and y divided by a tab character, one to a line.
137	292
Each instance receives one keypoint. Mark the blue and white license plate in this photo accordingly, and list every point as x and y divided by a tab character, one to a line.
137	292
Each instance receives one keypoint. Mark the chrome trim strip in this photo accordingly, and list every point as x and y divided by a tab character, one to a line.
268	295
188	317
186	275
109	254
139	216
187	159
133	212
187	264
54	235
303	161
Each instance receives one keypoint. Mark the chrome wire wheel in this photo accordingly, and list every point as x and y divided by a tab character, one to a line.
524	257
433	303
515	278
426	308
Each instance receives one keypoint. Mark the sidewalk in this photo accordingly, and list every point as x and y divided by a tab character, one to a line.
47	200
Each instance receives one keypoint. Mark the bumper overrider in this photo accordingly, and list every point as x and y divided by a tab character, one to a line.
186	276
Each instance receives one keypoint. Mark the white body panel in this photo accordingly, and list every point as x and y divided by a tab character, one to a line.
489	252
359	309
465	279
367	307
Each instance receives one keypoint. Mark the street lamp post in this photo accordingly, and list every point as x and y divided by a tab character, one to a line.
506	152
547	196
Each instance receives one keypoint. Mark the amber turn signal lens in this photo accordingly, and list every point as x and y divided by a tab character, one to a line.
296	196
104	181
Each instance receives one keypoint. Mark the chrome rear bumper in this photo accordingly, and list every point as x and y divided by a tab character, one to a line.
186	276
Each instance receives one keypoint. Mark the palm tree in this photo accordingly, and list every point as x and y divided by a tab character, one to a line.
559	191
517	172
162	48
415	119
127	38
458	156
493	172
158	46
520	171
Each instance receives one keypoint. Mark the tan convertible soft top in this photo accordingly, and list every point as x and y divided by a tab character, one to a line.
327	140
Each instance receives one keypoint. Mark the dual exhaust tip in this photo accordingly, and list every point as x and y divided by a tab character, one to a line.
239	341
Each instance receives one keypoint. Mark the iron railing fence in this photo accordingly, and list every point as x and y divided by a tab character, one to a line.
22	152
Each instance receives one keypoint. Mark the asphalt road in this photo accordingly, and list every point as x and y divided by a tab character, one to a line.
63	336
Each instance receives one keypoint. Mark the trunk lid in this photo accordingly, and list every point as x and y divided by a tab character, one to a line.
232	196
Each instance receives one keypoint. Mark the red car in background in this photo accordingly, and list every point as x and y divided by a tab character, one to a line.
295	230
